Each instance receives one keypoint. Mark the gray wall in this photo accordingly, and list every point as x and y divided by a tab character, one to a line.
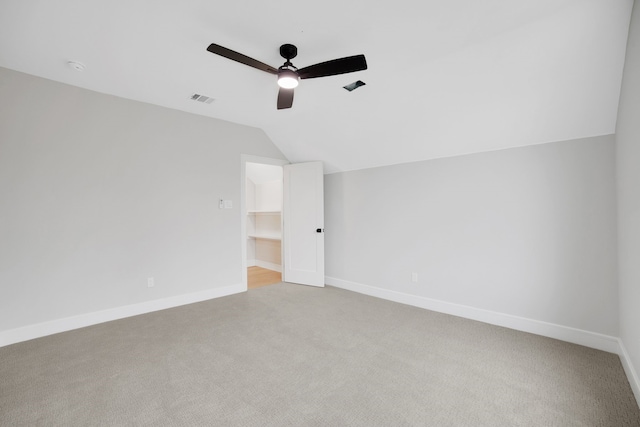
628	163
97	193
528	232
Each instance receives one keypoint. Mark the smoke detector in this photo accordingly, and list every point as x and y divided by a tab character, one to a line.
78	66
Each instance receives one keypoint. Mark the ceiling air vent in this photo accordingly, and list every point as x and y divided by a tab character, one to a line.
202	98
354	85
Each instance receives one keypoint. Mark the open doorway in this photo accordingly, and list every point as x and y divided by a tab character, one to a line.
291	224
263	202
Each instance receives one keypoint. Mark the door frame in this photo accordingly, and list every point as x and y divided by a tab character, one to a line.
244	159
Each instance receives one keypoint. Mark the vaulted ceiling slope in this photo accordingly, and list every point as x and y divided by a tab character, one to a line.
444	78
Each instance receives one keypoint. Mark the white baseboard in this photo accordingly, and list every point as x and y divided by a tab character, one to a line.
551	330
632	375
269	265
264	264
565	333
38	330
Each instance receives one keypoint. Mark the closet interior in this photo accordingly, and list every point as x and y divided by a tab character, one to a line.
264	224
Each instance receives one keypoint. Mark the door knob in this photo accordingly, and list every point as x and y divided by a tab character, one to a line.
319	230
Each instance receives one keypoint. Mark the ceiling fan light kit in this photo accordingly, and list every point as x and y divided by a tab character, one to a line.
288	75
287	78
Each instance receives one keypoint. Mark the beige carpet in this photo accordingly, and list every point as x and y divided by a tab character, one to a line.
287	355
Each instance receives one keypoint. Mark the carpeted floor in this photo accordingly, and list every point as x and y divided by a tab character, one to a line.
287	355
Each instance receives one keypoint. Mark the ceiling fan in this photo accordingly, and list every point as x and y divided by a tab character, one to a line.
288	75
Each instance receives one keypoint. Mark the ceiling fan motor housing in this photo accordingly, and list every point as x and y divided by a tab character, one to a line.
288	51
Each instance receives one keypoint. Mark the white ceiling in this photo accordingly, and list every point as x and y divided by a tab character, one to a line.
445	77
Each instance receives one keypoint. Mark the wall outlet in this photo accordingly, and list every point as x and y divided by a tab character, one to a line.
150	282
414	277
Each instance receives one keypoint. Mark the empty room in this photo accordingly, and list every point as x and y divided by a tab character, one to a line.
420	213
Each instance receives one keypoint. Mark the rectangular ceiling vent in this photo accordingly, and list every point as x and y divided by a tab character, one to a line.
202	98
355	85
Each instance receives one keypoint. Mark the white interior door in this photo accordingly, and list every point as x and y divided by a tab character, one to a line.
303	224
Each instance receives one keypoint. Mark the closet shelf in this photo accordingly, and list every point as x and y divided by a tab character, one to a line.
265	236
263	212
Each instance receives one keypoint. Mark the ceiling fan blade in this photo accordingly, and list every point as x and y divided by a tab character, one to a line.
334	67
285	98
238	57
